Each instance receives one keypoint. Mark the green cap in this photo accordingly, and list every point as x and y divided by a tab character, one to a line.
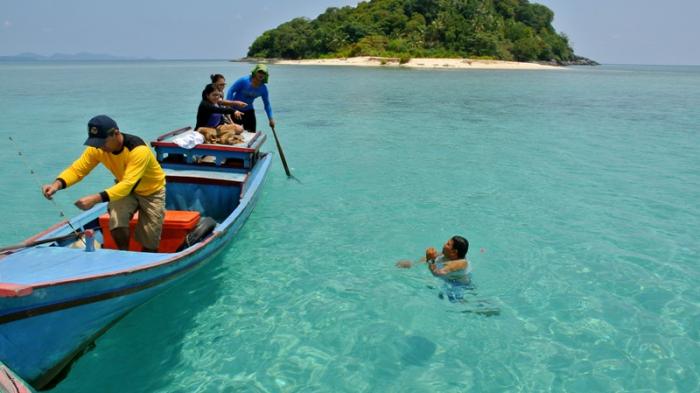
263	68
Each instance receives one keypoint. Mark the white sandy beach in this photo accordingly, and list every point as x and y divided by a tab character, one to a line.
366	61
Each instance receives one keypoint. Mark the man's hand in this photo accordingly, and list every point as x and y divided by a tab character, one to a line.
272	123
239	104
50	189
238	115
86	203
404	264
431	254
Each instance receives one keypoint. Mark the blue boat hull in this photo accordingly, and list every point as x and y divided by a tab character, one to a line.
42	332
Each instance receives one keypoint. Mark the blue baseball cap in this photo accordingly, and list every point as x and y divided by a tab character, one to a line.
99	128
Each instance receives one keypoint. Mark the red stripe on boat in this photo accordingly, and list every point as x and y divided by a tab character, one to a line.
14	290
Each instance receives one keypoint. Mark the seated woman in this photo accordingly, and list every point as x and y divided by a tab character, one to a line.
219	82
209	113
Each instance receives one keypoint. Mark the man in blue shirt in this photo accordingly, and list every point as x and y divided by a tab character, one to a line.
247	89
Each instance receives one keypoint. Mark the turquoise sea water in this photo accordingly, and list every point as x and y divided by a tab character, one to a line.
578	190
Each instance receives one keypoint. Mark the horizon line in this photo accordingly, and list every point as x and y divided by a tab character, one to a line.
19	58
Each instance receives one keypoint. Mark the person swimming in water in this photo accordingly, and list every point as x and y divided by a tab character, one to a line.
451	266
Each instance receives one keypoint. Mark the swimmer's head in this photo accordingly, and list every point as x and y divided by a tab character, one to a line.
456	247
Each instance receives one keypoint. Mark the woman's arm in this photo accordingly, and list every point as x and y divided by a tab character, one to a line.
238	104
211	108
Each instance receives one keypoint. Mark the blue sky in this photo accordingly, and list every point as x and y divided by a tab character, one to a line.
609	31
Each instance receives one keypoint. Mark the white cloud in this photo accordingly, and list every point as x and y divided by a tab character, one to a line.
6	24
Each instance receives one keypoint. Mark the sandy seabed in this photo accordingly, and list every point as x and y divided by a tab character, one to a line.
421	63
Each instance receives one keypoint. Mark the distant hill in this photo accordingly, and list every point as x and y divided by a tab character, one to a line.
492	29
82	56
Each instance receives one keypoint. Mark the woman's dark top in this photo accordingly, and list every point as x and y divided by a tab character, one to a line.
210	115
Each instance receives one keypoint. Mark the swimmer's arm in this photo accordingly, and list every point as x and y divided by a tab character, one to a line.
449	267
407	264
429	253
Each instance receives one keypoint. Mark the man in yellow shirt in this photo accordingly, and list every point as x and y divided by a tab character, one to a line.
140	182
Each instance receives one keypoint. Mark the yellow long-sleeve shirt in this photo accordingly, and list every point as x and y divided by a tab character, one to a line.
134	167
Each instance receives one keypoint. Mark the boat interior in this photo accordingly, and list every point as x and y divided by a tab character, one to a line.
209	198
204	186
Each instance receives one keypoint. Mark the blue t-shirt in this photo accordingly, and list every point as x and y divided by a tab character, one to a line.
243	90
214	120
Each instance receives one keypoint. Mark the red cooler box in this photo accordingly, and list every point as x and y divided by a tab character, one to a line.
176	226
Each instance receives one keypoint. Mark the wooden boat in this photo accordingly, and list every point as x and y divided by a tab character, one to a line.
56	299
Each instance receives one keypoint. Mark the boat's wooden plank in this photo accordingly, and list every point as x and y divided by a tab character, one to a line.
232	177
42	264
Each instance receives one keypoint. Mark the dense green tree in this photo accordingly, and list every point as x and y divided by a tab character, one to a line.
507	8
500	29
536	16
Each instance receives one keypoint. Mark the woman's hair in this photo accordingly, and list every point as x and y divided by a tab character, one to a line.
216	77
208	89
461	245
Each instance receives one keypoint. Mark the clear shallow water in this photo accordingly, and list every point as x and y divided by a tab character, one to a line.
577	189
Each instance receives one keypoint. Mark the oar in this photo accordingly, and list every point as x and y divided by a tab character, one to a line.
284	160
37	242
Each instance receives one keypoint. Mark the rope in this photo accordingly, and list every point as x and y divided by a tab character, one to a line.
36	180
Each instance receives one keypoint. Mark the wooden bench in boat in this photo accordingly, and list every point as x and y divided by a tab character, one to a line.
204	176
169	153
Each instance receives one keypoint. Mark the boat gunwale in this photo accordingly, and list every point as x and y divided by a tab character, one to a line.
41	234
141	268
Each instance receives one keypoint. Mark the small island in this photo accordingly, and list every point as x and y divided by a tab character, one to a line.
507	34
